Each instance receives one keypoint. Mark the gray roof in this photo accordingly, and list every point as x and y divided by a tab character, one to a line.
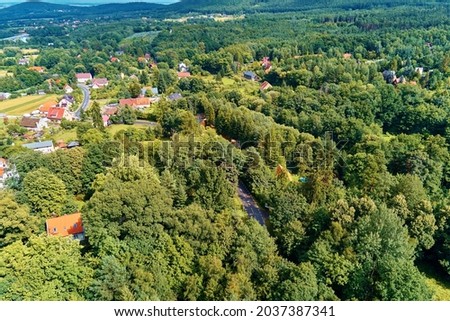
39	145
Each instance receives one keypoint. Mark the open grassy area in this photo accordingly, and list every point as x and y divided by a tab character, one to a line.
65	135
114	129
24	105
30	51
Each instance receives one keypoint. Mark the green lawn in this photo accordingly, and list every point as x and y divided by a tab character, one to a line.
65	135
114	129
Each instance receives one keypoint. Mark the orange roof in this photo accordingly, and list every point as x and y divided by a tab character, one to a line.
2	171
56	113
45	107
184	74
36	68
347	55
65	225
134	102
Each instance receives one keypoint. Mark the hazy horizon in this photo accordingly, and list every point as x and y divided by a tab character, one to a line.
87	2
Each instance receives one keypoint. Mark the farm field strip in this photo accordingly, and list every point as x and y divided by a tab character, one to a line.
23	105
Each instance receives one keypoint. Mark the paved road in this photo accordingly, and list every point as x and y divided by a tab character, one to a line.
86	97
250	205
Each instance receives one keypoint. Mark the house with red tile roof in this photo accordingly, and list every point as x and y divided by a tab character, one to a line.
137	103
83	77
99	83
45	107
184	74
265	85
37	69
56	114
66	225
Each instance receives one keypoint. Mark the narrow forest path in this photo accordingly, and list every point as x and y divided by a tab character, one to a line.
250	205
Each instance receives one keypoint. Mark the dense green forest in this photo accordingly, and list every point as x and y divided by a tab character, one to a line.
347	151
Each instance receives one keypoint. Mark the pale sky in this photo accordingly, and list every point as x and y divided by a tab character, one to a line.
93	1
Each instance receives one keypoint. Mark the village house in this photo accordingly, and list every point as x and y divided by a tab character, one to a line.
45	107
3	172
175	96
99	83
266	64
182	67
136	103
110	110
66	101
57	114
24	61
83	77
105	119
38	69
184	74
4	96
34	123
250	75
45	147
73	144
419	70
7	171
265	85
66	226
68	89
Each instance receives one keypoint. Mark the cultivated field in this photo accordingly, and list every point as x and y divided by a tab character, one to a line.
23	105
4	73
30	51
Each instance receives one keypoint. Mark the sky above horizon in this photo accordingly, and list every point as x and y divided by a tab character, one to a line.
92	1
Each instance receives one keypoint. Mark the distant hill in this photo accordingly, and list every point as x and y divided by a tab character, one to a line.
42	10
286	5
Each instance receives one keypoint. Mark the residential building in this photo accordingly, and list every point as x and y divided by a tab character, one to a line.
34	123
45	107
38	69
73	144
105	119
83	77
45	147
24	61
184	74
175	96
68	89
265	85
137	103
250	75
3	172
66	226
66	102
57	114
182	67
99	83
4	96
